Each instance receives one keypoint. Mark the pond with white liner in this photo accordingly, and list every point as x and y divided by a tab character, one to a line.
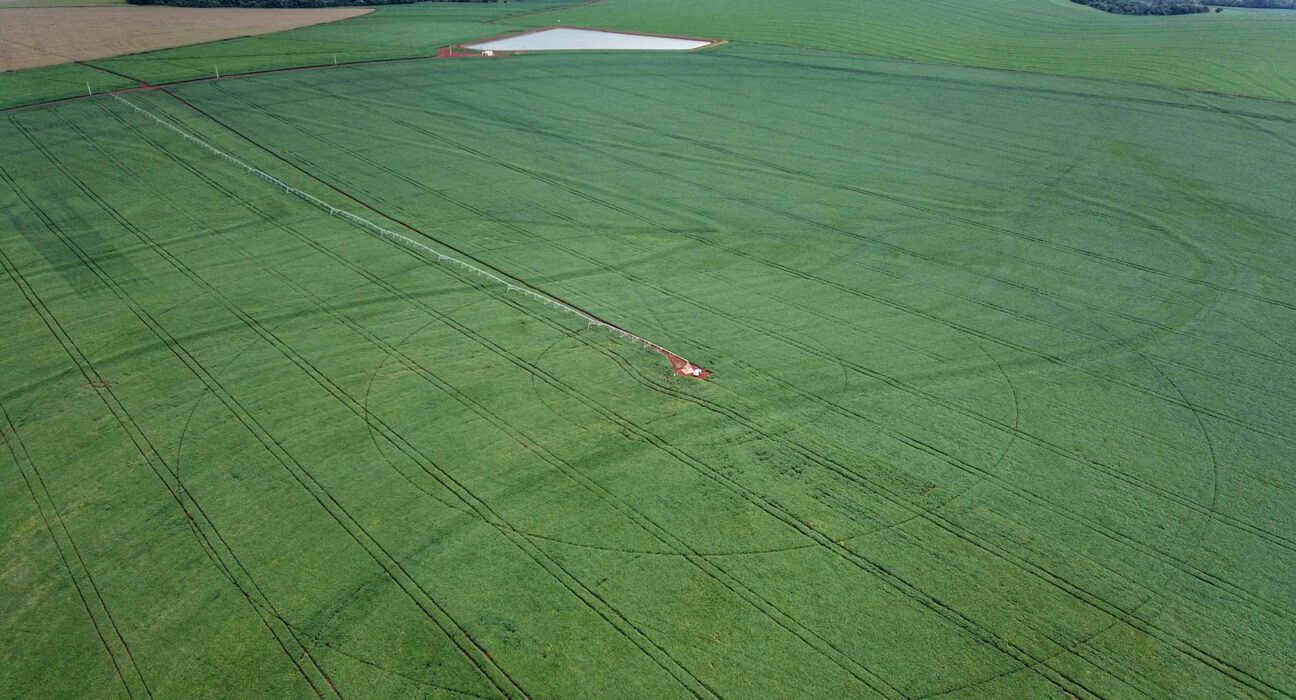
565	39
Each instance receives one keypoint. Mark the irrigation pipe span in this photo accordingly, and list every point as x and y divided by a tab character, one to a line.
512	286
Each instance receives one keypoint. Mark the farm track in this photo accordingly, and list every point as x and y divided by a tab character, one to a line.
528	443
374	549
1127	580
1217	663
1057	299
79	575
760	328
482	510
701	185
909	203
478	213
1070	300
1182	401
475	211
716	572
1208	511
385	670
901	585
195	516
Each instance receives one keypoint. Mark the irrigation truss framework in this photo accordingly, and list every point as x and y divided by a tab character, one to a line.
678	363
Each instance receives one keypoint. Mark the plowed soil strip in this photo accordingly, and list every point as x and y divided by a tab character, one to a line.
39	36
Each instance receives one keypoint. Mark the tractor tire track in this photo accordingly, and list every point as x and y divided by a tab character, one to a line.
196	518
906	308
1013	557
640	519
1013	432
18	451
889	577
1274	538
496	118
383	669
380	555
601	606
334	187
663	535
988	421
905	202
429	135
591	598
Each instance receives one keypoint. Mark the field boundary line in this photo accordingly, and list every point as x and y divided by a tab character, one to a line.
144	85
512	285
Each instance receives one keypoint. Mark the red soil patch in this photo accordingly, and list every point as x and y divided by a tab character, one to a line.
449	52
684	368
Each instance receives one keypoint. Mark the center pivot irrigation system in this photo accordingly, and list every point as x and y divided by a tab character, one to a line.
680	365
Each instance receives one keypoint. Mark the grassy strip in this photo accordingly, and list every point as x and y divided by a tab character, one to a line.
52	82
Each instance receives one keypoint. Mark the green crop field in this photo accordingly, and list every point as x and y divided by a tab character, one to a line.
1236	52
1003	361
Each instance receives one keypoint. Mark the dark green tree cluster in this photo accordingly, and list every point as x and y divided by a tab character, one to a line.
1180	7
282	3
1263	4
1146	7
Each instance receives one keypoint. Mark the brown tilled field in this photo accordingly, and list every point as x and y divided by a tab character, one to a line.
31	37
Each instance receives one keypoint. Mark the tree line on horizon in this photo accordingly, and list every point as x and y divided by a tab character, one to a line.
1180	7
